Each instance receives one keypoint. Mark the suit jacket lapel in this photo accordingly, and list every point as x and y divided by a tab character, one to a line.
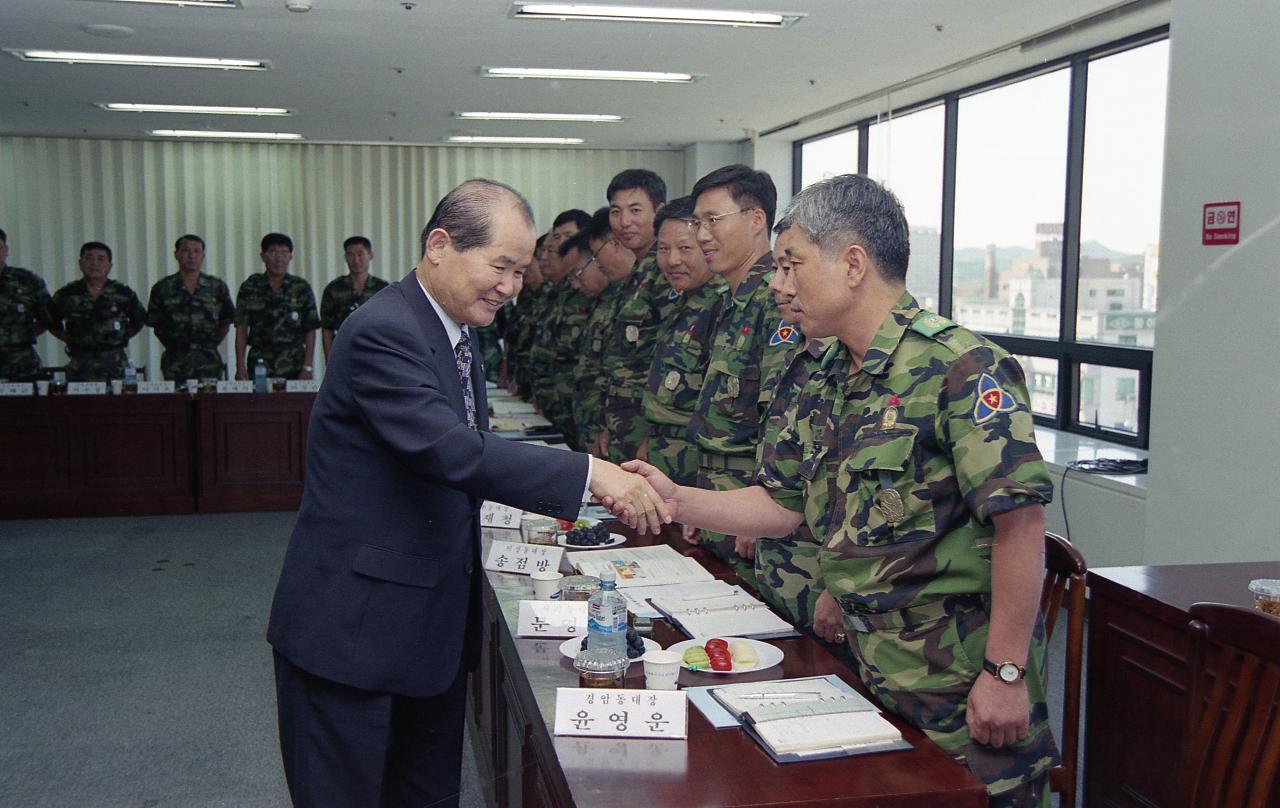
437	340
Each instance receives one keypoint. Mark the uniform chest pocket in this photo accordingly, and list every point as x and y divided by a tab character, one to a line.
889	498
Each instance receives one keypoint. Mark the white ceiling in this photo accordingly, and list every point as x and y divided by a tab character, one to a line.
372	71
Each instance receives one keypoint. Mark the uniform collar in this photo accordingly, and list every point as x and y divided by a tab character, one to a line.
757	274
885	342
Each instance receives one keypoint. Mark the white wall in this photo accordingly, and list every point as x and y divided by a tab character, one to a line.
139	196
702	158
1215	444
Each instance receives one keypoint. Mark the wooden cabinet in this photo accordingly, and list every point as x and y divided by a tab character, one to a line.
252	451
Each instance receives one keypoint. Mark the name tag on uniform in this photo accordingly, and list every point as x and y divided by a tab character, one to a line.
155	387
235	386
607	713
302	386
86	388
523	559
17	389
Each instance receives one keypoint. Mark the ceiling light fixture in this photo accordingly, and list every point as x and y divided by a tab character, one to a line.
598	75
136	60
192	3
201	134
193	109
687	16
535	141
563	117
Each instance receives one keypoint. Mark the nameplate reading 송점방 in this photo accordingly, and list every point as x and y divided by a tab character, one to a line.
522	559
86	388
604	713
495	514
152	388
552	618
17	389
302	386
235	387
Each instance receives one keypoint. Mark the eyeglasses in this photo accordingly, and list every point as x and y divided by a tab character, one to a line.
710	222
577	273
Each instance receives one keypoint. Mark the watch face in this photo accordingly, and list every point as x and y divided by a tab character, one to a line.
1008	672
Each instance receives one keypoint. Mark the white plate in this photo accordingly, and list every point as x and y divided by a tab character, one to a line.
614	540
573	645
766	655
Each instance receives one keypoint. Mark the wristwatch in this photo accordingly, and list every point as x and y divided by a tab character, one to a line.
1007	672
308	368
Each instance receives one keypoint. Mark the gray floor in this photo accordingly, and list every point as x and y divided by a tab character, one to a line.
133	669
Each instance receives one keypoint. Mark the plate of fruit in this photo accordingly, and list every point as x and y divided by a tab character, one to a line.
727	654
636	645
588	534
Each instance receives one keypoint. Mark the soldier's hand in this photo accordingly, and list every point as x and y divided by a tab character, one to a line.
304	374
629	496
828	622
604	442
745	546
999	713
660	482
242	375
691	534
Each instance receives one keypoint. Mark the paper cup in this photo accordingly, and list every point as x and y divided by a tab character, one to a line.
42	388
117	386
546	585
661	669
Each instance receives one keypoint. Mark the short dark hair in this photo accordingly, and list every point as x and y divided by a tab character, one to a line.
466	213
4	237
579	217
272	239
94	245
599	226
537	245
746	185
681	208
853	208
578	241
177	245
357	240
641	178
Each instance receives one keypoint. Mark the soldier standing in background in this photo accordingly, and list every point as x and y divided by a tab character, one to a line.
554	342
96	317
347	293
276	316
519	334
588	276
24	315
190	313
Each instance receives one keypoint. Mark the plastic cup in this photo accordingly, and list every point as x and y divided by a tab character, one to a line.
117	386
1266	595
546	585
42	388
661	669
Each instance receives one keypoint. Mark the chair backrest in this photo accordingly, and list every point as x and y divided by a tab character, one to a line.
1064	581
1232	749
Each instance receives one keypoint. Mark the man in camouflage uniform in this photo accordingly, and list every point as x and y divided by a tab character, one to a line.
345	294
556	334
683	343
276	316
733	211
519	335
96	317
24	315
190	313
587	275
911	453
635	197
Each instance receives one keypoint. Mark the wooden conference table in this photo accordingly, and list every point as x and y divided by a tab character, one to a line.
523	764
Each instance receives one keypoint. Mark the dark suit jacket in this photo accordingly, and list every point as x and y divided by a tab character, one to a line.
383	561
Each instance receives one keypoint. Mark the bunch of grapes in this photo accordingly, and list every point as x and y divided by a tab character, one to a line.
635	645
588	536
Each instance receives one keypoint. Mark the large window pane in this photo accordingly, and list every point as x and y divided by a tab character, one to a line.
1120	207
1042	383
828	157
1109	398
905	153
1011	165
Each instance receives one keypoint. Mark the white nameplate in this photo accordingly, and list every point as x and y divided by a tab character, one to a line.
146	388
302	386
523	559
86	388
552	618
605	713
495	514
17	389
235	387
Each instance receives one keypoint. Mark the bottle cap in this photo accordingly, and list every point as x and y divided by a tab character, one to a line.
607	575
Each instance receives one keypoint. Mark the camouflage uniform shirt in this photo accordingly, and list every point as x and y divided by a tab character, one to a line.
187	325
278	322
96	330
589	378
24	307
339	299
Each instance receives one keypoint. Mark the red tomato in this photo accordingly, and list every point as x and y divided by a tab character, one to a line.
716	643
721	663
565	525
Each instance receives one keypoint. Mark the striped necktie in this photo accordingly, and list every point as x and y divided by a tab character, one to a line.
462	353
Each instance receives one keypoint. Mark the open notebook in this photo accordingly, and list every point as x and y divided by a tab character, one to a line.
734	613
808	719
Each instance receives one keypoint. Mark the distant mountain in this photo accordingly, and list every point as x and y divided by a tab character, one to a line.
1094	249
1004	255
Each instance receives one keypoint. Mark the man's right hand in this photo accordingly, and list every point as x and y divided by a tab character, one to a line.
629	496
660	482
242	375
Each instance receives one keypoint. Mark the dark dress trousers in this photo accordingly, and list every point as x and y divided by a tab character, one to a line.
379	590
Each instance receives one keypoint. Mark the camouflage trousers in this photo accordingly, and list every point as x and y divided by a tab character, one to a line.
19	363
281	360
627	428
547	395
721	545
588	419
922	664
196	363
97	366
673	456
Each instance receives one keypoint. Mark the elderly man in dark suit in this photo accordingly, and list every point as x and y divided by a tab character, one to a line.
376	619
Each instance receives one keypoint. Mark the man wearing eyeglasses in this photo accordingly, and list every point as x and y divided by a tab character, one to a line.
598	273
732	216
275	316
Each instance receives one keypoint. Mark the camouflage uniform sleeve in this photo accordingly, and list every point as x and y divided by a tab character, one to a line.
43	302
985	420
243	294
227	310
54	311
778	463
310	319
155	312
137	313
329	308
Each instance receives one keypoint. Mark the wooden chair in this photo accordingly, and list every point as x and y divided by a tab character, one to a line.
1232	751
1064	573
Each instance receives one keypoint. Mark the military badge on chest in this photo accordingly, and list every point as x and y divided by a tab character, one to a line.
732	386
632	333
672	380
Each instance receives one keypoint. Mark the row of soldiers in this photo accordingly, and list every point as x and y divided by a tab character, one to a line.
896	446
190	312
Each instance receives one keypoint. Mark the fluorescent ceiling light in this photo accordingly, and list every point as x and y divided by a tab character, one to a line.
194	109
193	3
539	116
541	141
688	16
599	75
204	134
136	60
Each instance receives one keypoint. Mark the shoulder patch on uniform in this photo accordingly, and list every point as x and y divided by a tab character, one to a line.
673	294
930	324
992	400
784	333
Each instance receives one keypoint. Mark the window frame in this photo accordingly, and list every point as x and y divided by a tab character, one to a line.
1069	352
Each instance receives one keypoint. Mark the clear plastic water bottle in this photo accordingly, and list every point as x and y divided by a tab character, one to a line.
130	383
260	377
607	617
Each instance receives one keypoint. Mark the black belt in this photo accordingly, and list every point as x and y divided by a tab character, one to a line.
680	431
726	462
862	621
